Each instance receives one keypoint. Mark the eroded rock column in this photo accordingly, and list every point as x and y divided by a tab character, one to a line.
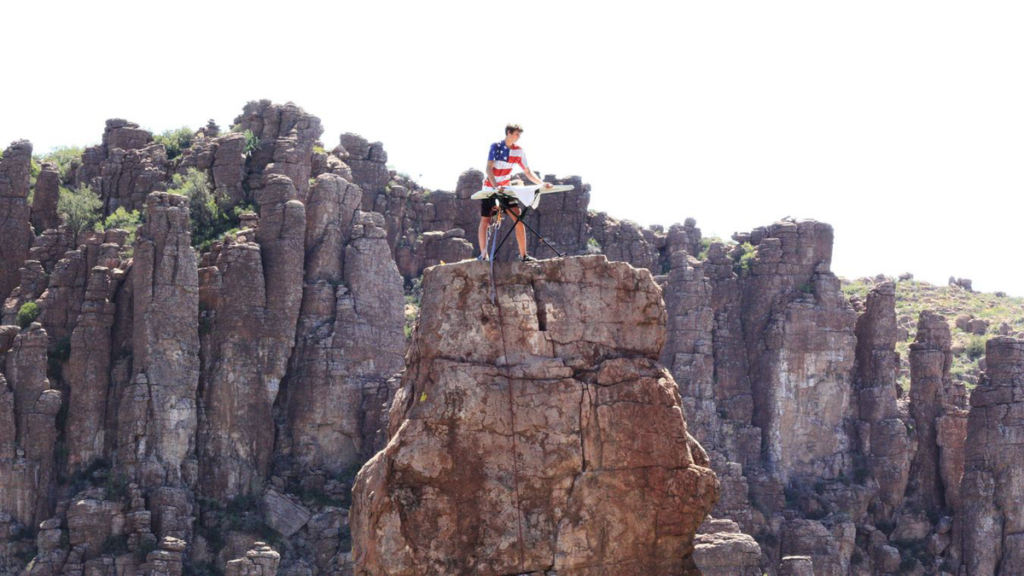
28	430
157	413
350	333
536	434
883	435
251	297
15	228
935	399
991	523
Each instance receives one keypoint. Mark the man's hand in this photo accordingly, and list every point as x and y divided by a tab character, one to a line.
547	185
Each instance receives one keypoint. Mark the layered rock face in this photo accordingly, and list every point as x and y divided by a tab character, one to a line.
798	328
991	524
125	168
350	334
223	159
368	163
211	409
763	349
286	135
536	433
250	298
15	228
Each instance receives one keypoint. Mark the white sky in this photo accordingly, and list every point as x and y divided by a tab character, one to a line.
898	122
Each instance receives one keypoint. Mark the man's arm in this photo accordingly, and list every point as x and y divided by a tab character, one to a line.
534	178
490	174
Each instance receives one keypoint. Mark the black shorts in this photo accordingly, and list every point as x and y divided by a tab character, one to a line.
489	206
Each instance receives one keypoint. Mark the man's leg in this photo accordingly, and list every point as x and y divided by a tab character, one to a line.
520	232
485	221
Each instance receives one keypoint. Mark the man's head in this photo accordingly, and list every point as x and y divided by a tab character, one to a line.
512	133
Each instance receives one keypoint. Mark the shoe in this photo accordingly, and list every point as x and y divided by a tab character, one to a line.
482	257
529	258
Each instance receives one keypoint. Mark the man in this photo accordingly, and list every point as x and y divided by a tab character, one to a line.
503	157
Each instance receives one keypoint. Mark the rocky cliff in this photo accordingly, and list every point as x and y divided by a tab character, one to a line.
170	405
534	433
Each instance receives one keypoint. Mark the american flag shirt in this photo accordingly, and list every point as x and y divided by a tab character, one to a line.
505	158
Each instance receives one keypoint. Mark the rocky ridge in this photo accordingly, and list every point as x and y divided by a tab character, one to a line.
166	410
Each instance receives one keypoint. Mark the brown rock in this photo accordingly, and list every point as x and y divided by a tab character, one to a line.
260	561
883	436
50	246
228	170
451	492
830	550
88	374
286	135
284	515
44	199
341	364
990	528
720	549
887	559
368	163
799	332
167	560
92	519
15	228
26	448
934	396
796	566
251	303
125	168
156	417
622	241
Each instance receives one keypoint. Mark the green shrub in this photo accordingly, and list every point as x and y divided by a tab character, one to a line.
33	173
79	208
976	347
208	221
116	487
175	141
27	314
56	355
124	220
115	546
705	245
252	143
593	246
205	321
145	548
806	288
65	157
743	258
